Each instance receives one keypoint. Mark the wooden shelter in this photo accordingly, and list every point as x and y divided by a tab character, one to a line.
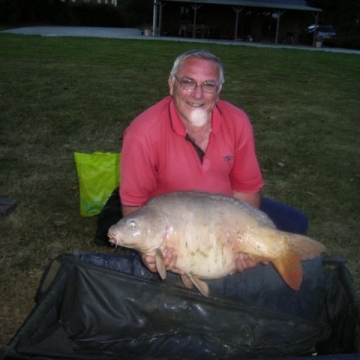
273	8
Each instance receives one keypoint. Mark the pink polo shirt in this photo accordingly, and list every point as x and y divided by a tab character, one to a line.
156	158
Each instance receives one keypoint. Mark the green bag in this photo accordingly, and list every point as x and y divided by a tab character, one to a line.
98	175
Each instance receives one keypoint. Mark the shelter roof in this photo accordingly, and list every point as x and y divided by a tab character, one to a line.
273	4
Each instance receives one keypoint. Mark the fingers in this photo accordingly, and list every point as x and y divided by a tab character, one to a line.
169	258
149	262
244	262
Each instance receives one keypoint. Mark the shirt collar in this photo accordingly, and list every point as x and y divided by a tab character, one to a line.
178	126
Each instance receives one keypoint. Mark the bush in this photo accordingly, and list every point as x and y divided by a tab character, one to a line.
21	12
136	13
13	12
129	13
94	15
350	40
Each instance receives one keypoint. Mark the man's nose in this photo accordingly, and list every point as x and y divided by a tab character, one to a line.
198	91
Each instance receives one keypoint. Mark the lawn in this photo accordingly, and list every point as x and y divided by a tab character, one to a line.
61	95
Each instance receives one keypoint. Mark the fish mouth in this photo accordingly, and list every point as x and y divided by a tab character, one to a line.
113	238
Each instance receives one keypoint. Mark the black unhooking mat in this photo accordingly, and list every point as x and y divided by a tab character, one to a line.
97	306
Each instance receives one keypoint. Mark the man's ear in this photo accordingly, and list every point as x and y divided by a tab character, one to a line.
171	85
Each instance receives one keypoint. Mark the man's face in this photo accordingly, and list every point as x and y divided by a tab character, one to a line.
195	103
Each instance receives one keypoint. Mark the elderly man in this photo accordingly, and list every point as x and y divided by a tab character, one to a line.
192	140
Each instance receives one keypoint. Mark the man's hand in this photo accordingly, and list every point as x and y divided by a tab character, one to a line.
169	258
244	262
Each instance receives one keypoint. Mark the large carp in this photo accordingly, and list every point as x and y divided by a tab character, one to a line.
207	232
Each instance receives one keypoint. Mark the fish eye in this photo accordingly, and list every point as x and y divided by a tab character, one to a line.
131	223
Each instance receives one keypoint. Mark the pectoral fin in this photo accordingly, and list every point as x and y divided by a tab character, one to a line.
202	286
160	266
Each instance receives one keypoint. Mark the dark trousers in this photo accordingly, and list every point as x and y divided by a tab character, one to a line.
285	217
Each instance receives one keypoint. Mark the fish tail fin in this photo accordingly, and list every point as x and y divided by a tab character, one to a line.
290	269
289	266
305	247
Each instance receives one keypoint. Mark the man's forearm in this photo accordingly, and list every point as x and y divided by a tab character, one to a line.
126	210
252	199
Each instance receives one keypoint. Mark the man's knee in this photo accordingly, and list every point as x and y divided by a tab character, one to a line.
285	217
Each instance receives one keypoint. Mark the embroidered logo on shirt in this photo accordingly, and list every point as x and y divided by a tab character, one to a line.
228	158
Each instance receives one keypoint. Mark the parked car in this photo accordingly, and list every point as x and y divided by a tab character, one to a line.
324	33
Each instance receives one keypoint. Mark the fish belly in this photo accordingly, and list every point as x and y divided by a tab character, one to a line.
206	259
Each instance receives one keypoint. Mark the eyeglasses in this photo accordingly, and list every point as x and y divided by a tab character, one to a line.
191	85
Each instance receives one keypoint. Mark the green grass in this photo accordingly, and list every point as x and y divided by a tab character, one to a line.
60	95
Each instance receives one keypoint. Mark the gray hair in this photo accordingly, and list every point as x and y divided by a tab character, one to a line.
200	54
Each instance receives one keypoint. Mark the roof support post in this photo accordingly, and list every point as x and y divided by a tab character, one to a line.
316	16
161	4
195	8
157	17
238	10
278	13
